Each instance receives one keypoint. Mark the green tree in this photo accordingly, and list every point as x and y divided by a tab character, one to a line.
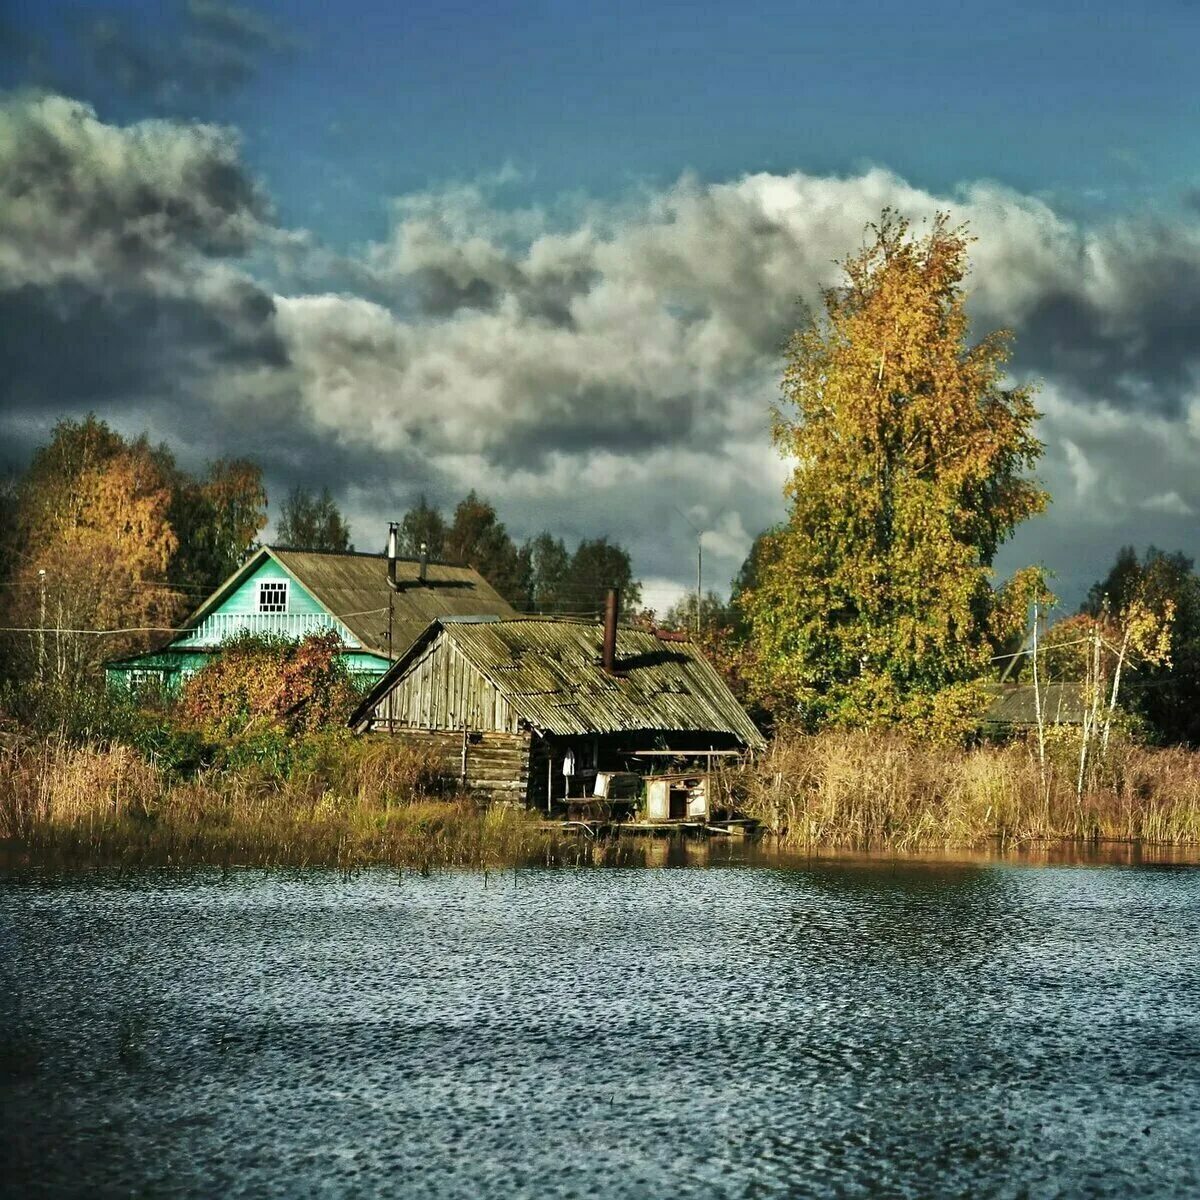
596	566
875	598
478	538
549	565
218	519
423	527
715	614
745	581
312	522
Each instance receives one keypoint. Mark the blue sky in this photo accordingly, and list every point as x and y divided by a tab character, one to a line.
430	194
1093	104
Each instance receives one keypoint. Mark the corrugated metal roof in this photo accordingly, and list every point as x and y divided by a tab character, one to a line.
550	672
354	588
1016	704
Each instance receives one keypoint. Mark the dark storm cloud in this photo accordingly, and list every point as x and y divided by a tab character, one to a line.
216	48
116	295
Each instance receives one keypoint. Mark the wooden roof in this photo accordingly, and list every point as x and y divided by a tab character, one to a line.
549	671
354	588
1015	704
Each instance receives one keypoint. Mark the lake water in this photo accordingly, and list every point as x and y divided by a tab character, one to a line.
811	1028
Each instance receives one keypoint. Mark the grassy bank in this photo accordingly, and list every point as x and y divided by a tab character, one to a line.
343	801
347	803
884	791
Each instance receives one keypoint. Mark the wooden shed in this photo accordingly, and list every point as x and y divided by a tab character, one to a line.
1013	707
531	709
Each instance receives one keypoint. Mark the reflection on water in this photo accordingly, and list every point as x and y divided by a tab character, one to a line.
845	1027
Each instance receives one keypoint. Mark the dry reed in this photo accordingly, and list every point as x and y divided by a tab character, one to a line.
871	790
365	803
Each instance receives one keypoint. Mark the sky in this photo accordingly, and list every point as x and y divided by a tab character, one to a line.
552	252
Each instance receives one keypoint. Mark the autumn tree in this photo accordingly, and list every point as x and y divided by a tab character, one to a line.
107	543
309	521
875	599
1166	694
94	546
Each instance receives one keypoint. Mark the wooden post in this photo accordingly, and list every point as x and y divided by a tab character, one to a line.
463	772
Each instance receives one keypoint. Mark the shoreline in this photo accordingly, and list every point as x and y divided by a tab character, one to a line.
636	849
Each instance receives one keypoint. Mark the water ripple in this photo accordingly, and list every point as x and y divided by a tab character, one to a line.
826	1030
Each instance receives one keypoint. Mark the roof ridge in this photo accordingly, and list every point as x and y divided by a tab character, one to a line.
407	558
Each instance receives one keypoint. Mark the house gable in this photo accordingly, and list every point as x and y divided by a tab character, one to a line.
265	599
439	688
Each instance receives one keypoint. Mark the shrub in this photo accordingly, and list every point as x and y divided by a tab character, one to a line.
296	687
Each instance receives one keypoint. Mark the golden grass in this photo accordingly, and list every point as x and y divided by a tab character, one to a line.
873	790
367	803
355	802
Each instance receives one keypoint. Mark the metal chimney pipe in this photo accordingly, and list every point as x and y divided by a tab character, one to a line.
391	554
424	561
608	654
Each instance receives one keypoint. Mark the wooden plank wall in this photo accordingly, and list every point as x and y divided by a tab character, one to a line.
497	763
442	690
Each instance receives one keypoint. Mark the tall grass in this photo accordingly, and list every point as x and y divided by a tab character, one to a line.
871	790
350	803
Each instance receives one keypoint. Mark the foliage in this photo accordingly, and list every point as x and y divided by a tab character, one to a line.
94	547
542	575
312	522
1167	697
265	688
910	460
106	534
715	615
745	582
478	538
549	568
596	566
423	528
218	519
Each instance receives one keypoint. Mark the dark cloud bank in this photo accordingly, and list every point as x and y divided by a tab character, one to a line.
595	372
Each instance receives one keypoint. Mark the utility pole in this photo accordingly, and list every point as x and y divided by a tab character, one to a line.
42	625
699	561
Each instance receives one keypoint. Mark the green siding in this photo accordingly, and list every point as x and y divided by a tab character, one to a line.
177	661
363	663
245	598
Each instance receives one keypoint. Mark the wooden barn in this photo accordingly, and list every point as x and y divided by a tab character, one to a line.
531	709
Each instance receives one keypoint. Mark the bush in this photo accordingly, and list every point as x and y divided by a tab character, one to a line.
296	687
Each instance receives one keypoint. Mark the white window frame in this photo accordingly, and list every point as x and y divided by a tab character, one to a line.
279	587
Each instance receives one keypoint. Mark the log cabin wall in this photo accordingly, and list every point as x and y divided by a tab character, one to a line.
497	764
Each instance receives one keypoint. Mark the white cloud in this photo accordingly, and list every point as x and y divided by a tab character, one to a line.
591	367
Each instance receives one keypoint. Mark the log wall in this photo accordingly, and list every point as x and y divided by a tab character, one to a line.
497	764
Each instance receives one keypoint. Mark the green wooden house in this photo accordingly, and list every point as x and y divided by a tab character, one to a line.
376	605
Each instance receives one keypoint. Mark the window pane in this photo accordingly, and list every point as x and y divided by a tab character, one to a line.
272	596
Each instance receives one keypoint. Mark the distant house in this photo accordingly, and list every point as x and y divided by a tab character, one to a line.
1013	706
530	709
294	593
